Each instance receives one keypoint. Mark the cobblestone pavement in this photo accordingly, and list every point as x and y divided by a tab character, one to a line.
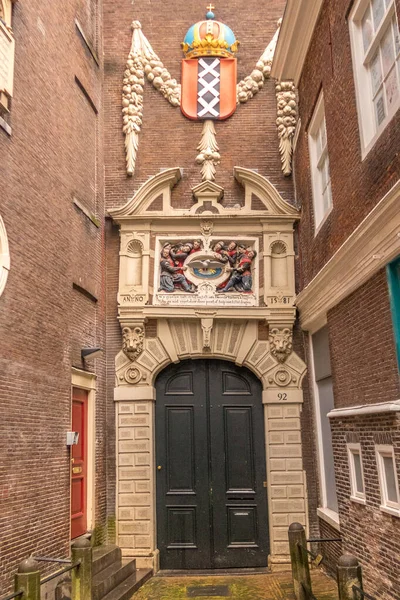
271	586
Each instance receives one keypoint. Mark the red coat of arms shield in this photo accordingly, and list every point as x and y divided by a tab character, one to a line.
208	88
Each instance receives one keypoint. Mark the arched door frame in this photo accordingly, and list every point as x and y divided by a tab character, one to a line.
136	468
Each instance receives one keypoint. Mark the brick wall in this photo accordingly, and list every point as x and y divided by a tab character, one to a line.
331	551
51	156
368	533
363	353
357	185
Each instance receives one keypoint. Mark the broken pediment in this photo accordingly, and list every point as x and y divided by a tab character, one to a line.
259	191
154	198
147	198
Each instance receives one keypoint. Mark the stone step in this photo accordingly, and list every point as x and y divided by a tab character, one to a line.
127	588
104	556
110	578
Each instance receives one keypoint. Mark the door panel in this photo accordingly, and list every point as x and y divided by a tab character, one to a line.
211	500
79	463
237	448
182	497
180	442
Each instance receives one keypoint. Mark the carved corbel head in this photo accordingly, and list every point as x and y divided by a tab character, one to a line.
281	343
132	341
206	228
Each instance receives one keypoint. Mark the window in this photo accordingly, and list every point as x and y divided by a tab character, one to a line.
4	256
376	50
320	174
356	473
6	55
390	501
393	275
323	393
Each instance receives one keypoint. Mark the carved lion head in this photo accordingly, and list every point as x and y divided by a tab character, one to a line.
281	343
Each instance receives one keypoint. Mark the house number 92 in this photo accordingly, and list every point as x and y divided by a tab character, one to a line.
282	396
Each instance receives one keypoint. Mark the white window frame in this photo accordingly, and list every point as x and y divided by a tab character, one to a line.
323	512
355	494
4	256
316	160
369	131
7	43
384	451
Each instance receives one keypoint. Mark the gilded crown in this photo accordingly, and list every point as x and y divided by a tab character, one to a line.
209	38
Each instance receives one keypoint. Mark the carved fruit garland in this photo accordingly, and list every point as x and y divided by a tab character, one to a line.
253	83
142	61
286	121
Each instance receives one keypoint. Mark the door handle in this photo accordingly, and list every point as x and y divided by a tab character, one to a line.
159	468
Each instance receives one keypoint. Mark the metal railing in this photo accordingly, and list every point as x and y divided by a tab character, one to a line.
349	576
28	582
60	572
361	593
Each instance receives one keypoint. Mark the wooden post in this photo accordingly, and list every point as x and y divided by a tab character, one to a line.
299	560
27	580
82	575
348	574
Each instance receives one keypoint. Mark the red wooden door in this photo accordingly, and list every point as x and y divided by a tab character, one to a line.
79	463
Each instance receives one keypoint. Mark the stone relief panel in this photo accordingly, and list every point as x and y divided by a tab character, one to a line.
206	271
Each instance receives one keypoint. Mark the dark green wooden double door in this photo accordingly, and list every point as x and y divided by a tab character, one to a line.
210	452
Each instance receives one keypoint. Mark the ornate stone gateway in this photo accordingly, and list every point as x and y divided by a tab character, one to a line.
207	282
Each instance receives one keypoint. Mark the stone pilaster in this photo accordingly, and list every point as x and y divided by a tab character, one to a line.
135	474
